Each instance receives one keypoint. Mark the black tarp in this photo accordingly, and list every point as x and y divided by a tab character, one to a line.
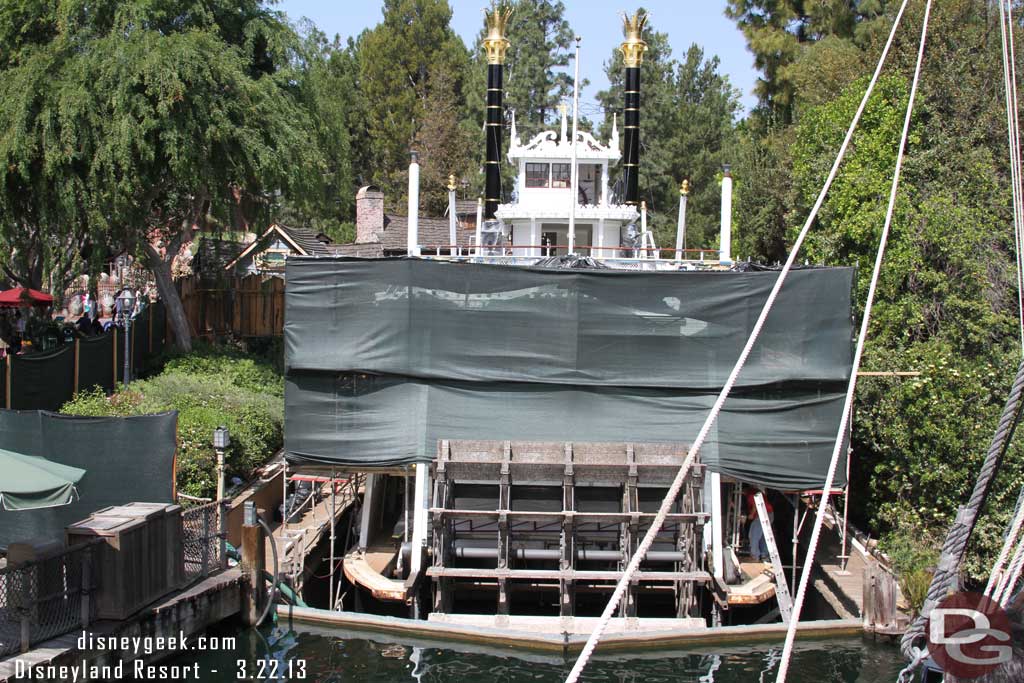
385	357
42	381
96	363
126	459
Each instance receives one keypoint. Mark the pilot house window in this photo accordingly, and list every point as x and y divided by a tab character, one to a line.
537	175
561	175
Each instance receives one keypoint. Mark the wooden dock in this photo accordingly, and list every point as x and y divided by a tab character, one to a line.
190	611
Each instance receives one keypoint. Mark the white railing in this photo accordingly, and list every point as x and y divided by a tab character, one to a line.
622	258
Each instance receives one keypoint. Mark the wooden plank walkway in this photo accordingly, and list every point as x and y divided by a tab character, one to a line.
848	584
299	538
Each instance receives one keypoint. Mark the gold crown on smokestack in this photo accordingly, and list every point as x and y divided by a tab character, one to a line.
634	47
496	43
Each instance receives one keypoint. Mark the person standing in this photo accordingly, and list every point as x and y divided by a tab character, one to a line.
755	533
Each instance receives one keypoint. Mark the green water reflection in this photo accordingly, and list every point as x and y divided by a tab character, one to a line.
331	657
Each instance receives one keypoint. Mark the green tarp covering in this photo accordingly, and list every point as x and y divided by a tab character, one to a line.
42	381
126	459
385	357
96	363
30	482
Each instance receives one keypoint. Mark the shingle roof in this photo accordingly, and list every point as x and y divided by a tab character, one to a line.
433	232
464	207
308	240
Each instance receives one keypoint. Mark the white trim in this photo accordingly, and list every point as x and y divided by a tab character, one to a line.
274	227
72	497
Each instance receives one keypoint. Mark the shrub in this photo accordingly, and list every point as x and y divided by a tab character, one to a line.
914	554
209	387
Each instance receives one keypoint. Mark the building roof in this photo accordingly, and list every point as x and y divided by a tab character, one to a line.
304	241
433	232
464	207
311	242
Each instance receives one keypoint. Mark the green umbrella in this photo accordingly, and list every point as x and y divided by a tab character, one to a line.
29	482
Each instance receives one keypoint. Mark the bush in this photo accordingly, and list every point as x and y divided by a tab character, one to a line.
914	554
208	387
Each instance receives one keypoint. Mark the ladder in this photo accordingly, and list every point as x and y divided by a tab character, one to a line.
781	589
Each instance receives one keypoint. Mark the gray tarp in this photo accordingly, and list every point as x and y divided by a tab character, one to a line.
125	458
386	357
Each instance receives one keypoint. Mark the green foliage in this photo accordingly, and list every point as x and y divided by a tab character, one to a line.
687	112
209	387
405	64
914	553
781	33
947	300
127	123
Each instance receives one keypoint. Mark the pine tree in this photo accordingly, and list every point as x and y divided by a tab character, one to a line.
444	149
395	59
537	77
778	31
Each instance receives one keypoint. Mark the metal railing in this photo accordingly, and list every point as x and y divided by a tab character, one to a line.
619	258
204	538
46	598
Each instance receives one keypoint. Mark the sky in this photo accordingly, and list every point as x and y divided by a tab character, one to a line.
596	21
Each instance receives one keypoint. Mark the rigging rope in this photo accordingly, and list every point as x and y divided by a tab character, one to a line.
1009	540
801	594
1005	591
677	483
1013	138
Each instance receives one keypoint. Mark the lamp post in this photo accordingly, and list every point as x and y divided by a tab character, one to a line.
127	302
221	440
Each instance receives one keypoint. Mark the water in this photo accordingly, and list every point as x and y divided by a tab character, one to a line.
334	657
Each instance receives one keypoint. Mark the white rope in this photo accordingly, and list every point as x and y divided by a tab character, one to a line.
677	483
1013	139
1009	580
1011	540
794	620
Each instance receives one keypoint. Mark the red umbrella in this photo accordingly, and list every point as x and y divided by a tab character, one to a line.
19	296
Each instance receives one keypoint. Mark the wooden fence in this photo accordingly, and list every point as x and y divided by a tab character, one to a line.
250	306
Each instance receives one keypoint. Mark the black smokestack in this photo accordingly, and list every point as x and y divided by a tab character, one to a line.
496	45
633	49
495	122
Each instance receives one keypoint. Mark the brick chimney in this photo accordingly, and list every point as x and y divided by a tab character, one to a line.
369	214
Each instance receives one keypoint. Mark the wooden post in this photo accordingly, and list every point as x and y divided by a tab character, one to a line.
222	513
879	598
76	365
86	584
7	389
206	542
254	559
26	630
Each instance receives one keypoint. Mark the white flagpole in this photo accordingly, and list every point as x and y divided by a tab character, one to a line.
574	192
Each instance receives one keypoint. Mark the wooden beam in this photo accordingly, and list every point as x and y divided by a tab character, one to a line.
874	373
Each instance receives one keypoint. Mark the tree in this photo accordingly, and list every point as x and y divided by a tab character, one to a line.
778	31
536	73
396	59
444	149
159	119
328	91
686	125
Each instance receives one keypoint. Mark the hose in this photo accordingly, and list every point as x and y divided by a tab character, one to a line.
275	582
